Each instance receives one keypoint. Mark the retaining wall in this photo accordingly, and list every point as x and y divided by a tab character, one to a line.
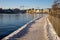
54	17
51	33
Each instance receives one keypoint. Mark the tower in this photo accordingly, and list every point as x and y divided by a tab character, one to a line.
22	7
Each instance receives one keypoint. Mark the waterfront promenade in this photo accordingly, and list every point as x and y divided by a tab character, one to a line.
38	29
34	31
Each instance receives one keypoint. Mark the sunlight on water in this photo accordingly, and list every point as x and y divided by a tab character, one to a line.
11	22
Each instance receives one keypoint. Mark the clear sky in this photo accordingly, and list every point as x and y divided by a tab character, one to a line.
26	3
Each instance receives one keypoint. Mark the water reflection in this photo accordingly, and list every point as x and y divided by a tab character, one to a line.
11	22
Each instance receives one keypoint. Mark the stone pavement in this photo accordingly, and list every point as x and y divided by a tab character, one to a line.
36	31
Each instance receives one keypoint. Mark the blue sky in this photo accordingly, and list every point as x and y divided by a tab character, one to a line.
26	3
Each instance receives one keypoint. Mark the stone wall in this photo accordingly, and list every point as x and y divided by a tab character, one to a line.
54	17
52	35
